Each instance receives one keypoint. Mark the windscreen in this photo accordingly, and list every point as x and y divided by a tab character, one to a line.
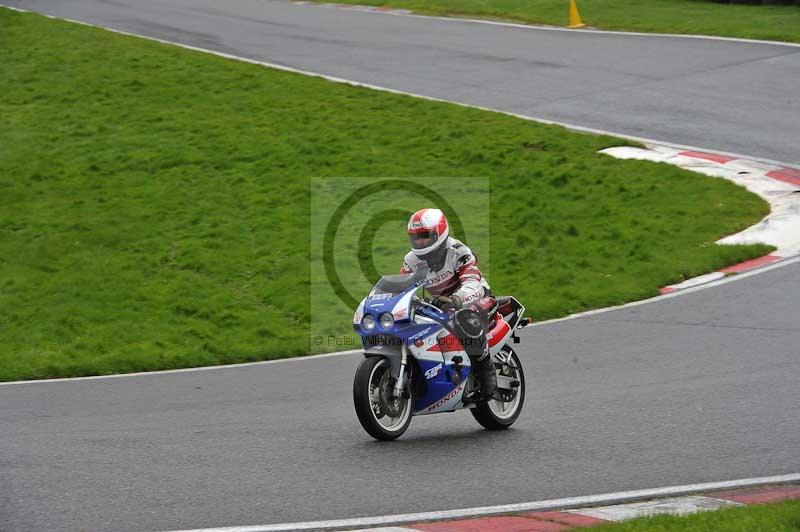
394	284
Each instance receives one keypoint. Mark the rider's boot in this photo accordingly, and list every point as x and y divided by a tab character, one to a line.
487	377
473	336
484	371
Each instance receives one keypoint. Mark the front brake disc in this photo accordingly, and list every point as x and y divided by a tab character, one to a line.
390	406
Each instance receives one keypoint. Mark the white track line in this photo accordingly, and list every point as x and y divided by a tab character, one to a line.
552	504
726	280
432	98
185	370
421	96
730	279
537	27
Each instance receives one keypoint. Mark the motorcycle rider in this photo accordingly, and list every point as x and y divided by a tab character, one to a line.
455	282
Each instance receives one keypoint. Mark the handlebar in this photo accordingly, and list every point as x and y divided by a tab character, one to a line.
449	315
425	302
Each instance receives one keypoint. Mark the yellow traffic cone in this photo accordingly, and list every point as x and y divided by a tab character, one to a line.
574	16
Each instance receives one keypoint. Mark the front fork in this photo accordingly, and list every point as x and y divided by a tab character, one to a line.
400	383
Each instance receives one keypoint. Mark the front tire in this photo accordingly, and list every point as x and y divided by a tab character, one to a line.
383	417
499	415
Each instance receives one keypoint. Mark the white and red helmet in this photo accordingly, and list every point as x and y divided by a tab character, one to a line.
428	231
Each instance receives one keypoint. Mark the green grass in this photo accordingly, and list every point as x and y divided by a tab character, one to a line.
157	205
698	17
780	517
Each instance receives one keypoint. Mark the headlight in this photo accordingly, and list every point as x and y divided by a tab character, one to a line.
367	322
387	320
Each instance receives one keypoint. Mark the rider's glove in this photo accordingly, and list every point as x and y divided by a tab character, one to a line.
456	301
444	303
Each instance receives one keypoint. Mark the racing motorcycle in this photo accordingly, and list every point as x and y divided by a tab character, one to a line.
414	364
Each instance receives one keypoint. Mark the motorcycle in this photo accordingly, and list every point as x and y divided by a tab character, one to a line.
414	364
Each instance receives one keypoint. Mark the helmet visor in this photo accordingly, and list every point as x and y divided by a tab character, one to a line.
423	239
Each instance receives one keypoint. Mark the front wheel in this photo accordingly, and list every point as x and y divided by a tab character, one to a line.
499	415
382	415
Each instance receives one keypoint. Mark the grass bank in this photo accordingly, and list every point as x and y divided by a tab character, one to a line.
157	205
694	17
780	517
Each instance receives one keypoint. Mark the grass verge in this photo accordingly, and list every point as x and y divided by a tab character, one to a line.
779	517
155	204
693	17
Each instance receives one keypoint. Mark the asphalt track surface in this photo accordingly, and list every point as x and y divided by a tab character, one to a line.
694	388
737	97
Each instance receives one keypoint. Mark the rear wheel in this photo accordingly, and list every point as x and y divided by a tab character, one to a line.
383	416
499	415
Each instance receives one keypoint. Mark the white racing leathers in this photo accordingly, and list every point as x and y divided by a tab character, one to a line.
459	275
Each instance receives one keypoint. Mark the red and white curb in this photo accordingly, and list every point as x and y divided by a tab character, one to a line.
697	160
555	521
558	514
778	185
